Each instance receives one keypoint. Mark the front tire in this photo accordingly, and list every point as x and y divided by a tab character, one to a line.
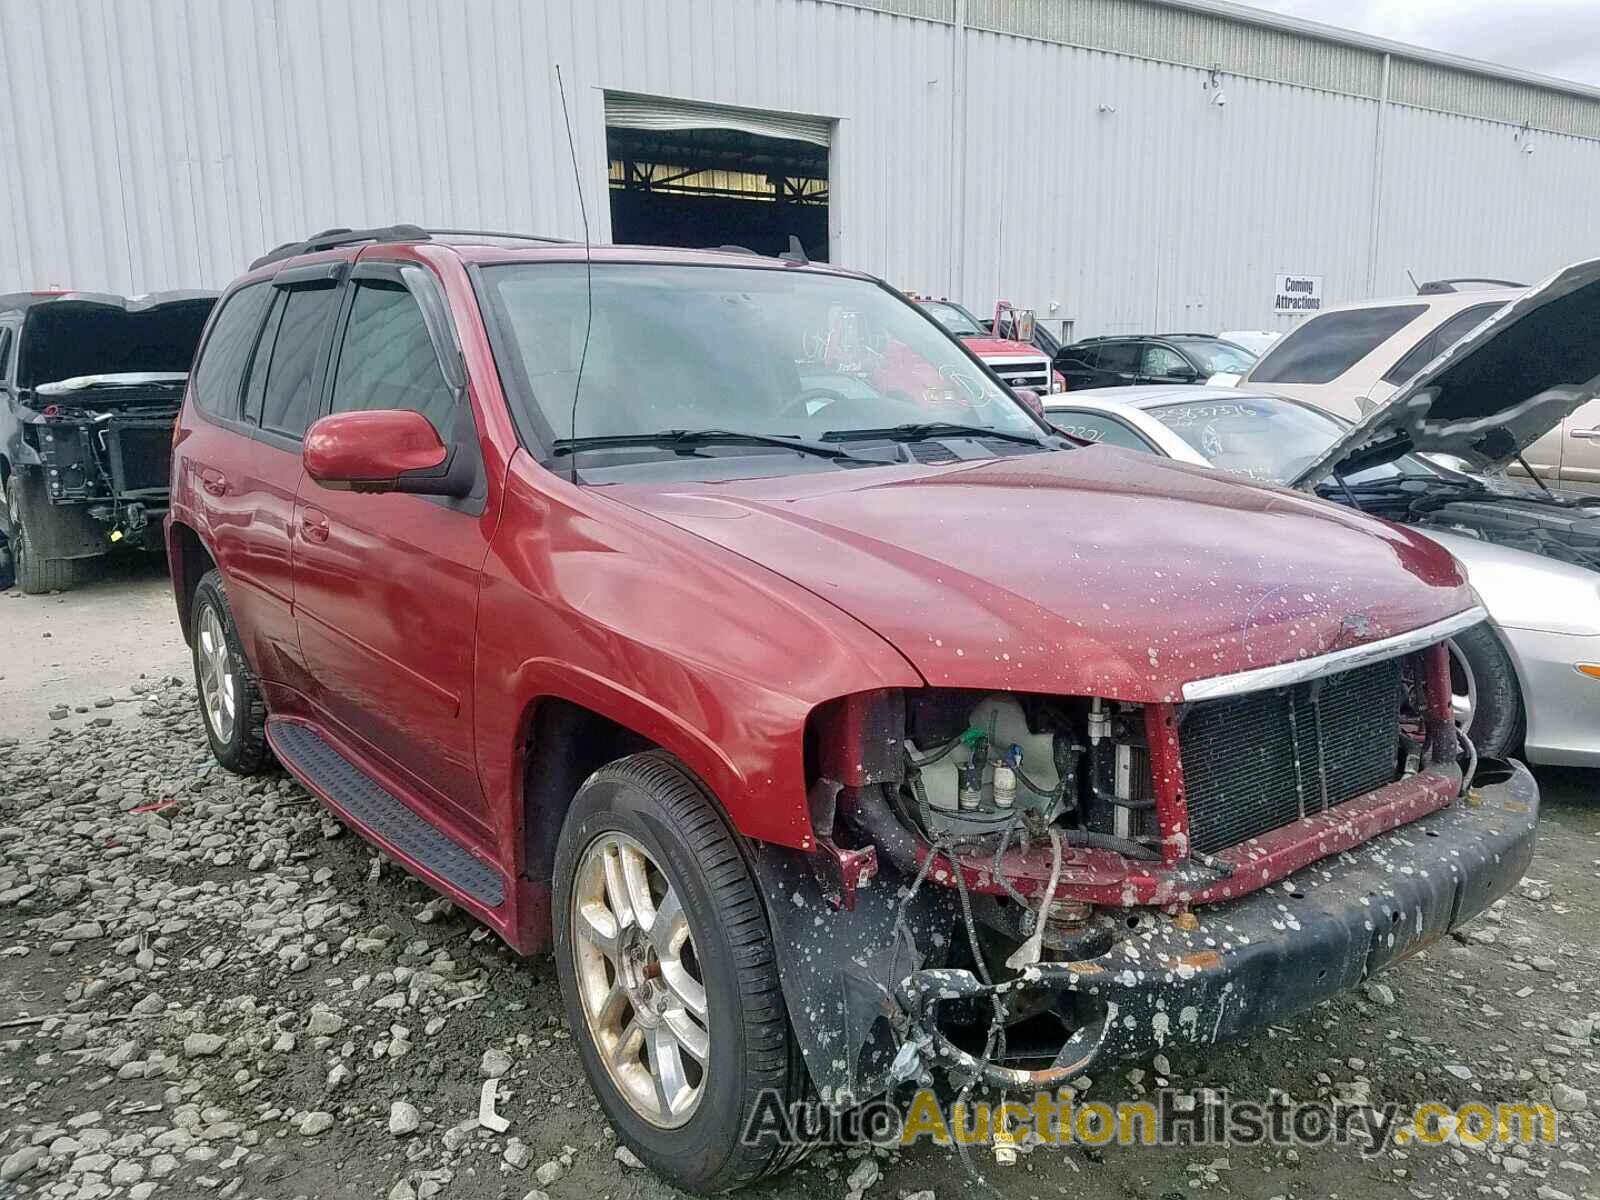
668	975
1485	694
231	708
35	576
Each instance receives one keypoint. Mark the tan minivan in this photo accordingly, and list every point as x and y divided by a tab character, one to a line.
1350	358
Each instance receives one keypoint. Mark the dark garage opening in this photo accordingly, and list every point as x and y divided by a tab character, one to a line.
702	188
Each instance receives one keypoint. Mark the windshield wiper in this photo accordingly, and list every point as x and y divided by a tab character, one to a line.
690	439
927	430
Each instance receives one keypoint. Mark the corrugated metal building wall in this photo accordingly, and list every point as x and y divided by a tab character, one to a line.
1061	153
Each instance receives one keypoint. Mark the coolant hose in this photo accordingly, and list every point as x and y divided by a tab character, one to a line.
869	811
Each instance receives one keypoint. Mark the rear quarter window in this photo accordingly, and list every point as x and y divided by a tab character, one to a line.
1440	340
287	402
219	371
1327	346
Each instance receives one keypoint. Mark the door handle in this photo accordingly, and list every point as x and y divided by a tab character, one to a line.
214	482
1589	435
313	526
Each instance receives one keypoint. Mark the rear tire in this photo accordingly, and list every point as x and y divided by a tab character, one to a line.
33	575
231	707
1484	684
643	829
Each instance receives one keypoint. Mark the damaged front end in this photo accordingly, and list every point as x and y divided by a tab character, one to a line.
1014	886
103	450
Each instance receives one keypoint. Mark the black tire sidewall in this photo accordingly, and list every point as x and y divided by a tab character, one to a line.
1497	719
232	753
711	1135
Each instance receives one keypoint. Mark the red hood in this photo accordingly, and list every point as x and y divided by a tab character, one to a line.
1088	572
992	347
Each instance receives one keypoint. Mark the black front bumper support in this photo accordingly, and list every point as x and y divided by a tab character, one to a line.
1266	956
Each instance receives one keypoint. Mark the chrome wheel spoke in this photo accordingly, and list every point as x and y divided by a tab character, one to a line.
598	926
693	1037
666	1064
669	926
688	991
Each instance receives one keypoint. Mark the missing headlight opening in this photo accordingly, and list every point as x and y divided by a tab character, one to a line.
1096	877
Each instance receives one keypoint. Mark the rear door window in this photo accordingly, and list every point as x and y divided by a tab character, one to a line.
1119	358
5	355
1437	342
219	371
388	360
1327	346
287	400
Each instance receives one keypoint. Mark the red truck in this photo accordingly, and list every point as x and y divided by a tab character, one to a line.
825	744
1005	344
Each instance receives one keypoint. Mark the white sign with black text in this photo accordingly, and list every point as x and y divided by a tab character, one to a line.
1297	294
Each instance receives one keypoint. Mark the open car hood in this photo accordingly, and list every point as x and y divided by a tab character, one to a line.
91	334
1493	393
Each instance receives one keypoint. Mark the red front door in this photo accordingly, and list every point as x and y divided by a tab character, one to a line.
386	586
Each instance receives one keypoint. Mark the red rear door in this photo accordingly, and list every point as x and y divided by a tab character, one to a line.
241	478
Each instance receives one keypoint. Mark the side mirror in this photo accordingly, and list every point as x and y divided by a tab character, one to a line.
1029	399
385	450
1182	372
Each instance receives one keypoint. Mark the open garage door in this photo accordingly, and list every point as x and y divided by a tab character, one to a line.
699	175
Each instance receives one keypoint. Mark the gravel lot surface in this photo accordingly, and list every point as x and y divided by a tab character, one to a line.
209	988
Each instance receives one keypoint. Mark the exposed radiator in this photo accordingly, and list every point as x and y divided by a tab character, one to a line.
1255	763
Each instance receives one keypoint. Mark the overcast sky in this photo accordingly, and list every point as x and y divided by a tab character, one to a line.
1552	37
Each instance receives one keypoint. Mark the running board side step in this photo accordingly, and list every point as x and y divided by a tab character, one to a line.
366	802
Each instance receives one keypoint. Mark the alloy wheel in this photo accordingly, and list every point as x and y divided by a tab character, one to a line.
639	980
215	668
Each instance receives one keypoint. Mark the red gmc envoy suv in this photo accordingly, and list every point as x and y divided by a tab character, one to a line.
827	736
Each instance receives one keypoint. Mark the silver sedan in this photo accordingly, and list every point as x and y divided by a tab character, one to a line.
1529	677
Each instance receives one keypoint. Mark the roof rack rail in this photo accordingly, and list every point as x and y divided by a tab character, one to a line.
1440	287
330	239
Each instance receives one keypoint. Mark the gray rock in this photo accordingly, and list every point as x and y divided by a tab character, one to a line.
495	1063
323	1023
403	1118
19	1162
314	1123
548	1173
203	1045
1567	1098
627	1158
1380	993
517	1154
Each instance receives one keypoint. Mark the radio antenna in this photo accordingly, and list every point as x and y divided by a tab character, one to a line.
588	275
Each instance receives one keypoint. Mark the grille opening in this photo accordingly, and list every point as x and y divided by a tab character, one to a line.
1255	763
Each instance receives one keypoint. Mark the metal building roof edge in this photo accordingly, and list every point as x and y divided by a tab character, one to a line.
1316	30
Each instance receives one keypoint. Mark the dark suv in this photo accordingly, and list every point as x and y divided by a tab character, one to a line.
826	730
89	387
1164	358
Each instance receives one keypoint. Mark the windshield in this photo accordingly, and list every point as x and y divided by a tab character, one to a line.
1213	357
953	317
1265	438
797	354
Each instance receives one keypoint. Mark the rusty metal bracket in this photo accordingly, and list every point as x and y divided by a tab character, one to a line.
840	871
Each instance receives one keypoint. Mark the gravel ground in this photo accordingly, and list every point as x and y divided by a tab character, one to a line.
208	988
